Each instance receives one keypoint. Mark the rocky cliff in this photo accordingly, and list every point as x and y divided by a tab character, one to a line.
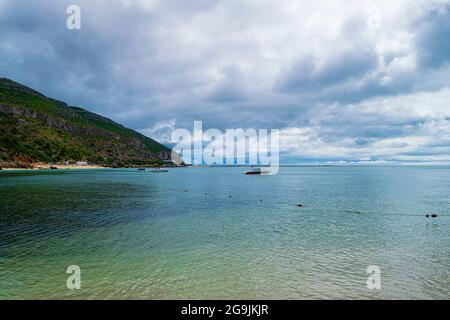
35	128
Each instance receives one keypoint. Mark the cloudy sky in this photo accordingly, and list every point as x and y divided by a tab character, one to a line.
345	81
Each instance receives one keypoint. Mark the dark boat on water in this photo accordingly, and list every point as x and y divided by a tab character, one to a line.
257	171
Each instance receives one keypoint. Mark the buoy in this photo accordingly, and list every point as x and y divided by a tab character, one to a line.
427	216
350	211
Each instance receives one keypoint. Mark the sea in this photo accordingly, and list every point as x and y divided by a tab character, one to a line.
308	232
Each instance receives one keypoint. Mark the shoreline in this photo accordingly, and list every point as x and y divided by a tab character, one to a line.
55	167
40	166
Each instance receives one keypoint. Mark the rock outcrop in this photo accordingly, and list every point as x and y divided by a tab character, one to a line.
35	128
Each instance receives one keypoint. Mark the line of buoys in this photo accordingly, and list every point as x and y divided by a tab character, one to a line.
374	213
352	211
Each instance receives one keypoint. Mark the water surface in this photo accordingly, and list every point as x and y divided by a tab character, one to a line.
218	234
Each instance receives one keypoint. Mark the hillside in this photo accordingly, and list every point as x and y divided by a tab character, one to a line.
35	128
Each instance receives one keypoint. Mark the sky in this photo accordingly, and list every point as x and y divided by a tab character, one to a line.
344	81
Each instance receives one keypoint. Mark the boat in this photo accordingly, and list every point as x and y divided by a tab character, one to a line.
257	171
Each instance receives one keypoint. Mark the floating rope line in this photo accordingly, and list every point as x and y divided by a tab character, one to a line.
427	215
341	210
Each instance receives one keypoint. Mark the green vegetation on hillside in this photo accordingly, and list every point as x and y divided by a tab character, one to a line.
34	128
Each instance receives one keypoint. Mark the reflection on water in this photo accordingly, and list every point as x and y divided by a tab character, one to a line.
216	233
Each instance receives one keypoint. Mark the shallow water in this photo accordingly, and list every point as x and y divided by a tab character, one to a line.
216	233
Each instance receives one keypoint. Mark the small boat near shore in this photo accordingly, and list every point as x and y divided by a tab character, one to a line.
257	171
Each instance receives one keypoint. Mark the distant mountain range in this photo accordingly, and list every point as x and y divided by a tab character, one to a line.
35	128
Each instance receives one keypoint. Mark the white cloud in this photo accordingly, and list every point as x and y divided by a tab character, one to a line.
420	121
161	131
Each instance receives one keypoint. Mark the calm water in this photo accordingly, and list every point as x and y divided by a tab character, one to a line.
216	233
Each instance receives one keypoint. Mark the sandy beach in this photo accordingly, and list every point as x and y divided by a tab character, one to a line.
57	166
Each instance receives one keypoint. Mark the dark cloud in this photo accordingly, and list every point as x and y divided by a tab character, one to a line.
259	64
432	37
308	74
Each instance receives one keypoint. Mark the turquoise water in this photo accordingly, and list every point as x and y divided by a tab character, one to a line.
218	234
